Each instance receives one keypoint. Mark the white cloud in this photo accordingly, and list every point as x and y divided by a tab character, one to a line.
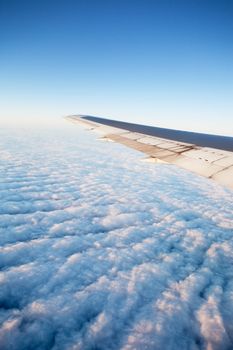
101	251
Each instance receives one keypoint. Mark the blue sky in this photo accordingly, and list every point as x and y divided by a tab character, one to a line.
164	63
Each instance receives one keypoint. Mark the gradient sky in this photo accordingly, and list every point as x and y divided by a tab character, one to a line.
164	63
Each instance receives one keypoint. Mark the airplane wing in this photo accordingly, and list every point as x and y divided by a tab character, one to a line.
208	155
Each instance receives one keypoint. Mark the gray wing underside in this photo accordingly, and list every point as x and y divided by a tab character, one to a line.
213	163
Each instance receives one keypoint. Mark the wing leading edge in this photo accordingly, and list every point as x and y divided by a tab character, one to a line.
208	155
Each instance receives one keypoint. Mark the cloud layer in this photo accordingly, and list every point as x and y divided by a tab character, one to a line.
102	251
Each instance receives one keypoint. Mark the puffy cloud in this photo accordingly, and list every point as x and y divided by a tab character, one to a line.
102	251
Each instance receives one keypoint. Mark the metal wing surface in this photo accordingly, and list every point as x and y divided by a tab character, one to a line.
208	155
